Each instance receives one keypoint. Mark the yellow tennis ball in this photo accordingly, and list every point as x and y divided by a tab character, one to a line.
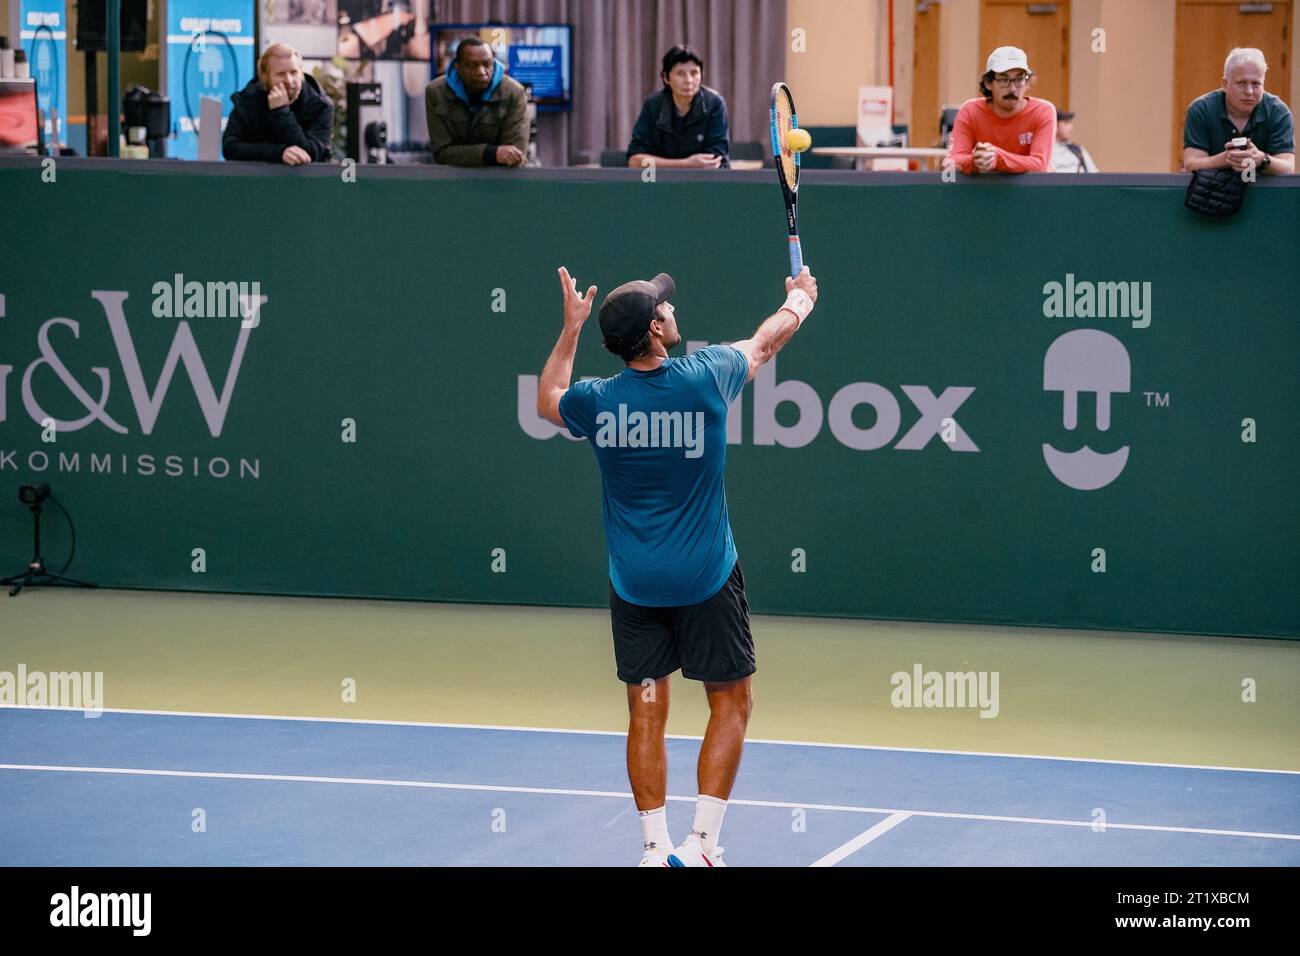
798	140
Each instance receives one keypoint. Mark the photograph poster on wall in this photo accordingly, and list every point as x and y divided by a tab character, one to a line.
383	29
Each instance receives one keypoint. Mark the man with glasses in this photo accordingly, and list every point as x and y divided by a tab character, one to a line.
1240	109
1007	130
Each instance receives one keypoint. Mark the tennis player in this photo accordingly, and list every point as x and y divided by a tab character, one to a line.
676	591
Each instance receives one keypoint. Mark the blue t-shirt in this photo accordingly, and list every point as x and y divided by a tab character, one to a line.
660	439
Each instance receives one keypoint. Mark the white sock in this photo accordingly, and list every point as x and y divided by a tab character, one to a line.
654	831
708	820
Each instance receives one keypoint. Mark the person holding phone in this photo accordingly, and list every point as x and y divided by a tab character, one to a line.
1240	125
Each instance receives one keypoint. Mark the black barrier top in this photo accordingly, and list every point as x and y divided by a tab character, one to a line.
842	177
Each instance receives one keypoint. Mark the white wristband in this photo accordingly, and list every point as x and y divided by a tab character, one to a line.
798	302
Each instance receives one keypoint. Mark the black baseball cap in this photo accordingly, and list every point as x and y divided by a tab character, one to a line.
1064	114
626	312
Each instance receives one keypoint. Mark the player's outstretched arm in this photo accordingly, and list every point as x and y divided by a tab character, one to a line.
557	372
777	329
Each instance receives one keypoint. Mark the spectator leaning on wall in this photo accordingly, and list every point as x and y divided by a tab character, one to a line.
683	125
477	115
1240	108
1067	155
1007	130
281	116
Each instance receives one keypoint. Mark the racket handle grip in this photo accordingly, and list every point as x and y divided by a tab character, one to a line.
796	257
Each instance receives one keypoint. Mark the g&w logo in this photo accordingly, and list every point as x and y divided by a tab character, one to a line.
148	403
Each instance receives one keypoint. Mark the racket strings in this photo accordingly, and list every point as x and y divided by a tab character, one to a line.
784	115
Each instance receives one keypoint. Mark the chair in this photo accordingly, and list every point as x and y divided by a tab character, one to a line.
947	120
613	158
747	151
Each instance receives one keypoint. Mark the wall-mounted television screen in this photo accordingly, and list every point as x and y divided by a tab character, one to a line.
17	114
537	54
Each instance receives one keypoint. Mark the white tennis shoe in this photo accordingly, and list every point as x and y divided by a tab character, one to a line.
654	855
692	853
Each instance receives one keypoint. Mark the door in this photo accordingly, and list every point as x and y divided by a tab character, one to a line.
1206	30
926	54
1042	30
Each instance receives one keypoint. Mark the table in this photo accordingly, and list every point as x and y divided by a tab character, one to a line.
927	153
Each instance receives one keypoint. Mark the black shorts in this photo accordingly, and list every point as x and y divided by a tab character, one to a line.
709	641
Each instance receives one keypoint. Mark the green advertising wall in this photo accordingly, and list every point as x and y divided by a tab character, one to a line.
415	306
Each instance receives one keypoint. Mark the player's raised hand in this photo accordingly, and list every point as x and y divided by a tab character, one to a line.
577	308
806	281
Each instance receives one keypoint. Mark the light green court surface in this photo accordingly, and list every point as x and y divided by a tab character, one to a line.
1142	697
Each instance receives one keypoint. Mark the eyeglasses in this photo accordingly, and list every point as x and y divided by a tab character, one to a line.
1012	81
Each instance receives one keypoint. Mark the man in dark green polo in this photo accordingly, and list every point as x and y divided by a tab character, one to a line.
1240	108
477	115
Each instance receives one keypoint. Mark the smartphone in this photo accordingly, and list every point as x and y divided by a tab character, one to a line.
1241	142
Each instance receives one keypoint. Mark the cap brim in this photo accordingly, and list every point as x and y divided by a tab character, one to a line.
664	287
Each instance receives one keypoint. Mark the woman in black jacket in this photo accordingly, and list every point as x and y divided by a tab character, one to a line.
684	125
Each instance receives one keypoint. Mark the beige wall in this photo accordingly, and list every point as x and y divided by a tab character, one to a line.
1123	97
844	44
1139	61
962	62
1294	101
1086	78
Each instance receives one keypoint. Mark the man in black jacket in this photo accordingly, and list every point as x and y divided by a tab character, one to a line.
280	117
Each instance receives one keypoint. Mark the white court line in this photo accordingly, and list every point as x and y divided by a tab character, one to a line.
556	791
861	840
620	733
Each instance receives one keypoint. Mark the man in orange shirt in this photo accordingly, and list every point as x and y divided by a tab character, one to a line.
1007	131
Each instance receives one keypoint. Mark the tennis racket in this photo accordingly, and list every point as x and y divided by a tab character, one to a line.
785	119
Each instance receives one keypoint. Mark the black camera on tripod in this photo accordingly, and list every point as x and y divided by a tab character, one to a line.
34	497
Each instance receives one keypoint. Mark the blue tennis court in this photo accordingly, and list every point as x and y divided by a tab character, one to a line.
129	788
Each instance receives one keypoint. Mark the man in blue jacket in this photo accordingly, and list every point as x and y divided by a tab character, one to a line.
684	125
477	114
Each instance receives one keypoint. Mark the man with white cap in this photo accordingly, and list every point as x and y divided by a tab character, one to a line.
1006	130
676	591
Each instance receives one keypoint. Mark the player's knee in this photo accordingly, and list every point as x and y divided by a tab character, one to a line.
648	700
733	699
747	701
648	718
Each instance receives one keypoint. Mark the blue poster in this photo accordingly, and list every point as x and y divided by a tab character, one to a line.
541	66
209	53
43	34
